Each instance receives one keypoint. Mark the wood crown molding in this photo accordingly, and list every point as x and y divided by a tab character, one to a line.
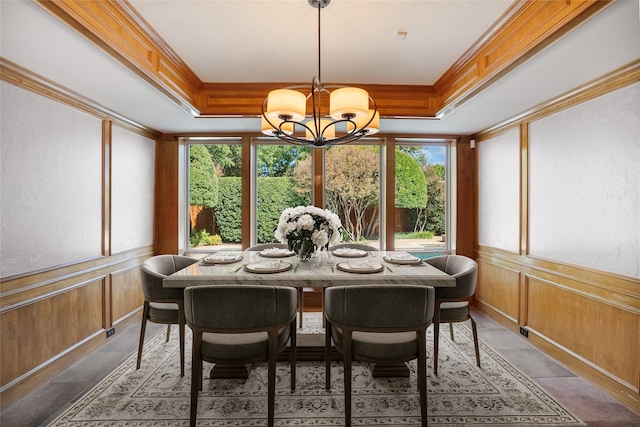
25	79
526	27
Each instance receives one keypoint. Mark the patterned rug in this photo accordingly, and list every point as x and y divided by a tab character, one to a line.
497	394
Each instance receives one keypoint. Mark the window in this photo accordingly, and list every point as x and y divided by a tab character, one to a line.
215	195
283	180
420	195
350	179
352	190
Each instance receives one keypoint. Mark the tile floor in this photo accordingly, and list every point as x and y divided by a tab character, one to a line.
593	406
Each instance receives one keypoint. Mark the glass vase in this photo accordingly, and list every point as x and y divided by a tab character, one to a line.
306	250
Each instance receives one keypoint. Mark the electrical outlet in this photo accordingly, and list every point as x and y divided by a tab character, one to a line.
111	331
524	332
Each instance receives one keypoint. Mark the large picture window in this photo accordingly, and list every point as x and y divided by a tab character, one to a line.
283	181
420	195
215	194
352	182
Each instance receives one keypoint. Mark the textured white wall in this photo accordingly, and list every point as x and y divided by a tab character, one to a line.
132	190
51	183
585	184
499	191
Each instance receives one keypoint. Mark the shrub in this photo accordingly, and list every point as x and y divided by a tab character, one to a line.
202	237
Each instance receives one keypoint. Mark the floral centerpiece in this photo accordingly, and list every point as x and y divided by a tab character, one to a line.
305	229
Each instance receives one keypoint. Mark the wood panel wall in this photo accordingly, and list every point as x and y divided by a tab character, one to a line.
587	319
51	318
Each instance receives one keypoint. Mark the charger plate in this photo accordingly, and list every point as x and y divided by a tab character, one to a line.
360	267
401	258
349	253
221	259
267	267
276	253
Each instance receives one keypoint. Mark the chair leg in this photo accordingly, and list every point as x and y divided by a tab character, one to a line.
300	303
181	321
271	378
327	355
475	340
436	335
143	328
436	340
196	376
422	375
451	330
293	354
346	357
168	332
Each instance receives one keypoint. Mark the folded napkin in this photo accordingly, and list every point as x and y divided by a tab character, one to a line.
363	265
402	256
349	251
223	258
271	265
274	252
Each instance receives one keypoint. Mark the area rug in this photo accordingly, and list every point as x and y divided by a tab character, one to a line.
497	394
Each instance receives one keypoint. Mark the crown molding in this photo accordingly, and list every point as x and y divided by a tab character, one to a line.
524	29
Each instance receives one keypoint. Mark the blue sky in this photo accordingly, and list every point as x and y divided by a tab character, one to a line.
436	155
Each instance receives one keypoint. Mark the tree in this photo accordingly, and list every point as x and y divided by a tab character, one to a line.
436	211
411	185
227	158
203	178
203	181
353	186
280	160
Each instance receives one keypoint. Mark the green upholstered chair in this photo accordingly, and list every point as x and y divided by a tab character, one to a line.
240	324
162	305
451	303
378	324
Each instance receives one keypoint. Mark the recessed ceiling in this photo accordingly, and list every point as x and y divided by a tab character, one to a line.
276	41
262	41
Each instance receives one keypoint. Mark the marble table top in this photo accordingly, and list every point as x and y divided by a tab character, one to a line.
319	272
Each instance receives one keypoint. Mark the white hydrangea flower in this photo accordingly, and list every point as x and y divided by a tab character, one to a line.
325	228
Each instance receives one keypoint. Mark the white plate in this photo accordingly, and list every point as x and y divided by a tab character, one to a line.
349	253
276	253
268	266
222	259
401	258
360	266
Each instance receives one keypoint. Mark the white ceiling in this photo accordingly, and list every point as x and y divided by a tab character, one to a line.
276	41
231	41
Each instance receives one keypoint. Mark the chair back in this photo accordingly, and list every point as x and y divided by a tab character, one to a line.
239	307
463	269
360	246
380	306
263	246
155	269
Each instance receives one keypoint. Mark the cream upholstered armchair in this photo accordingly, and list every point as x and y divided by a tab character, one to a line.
240	324
451	303
378	324
162	305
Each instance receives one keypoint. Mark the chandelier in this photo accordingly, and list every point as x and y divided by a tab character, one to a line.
349	118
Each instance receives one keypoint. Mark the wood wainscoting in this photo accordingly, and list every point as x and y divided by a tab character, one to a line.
51	319
587	319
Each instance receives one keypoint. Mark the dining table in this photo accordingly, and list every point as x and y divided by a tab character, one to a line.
280	267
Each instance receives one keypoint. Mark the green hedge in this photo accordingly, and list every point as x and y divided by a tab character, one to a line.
274	196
